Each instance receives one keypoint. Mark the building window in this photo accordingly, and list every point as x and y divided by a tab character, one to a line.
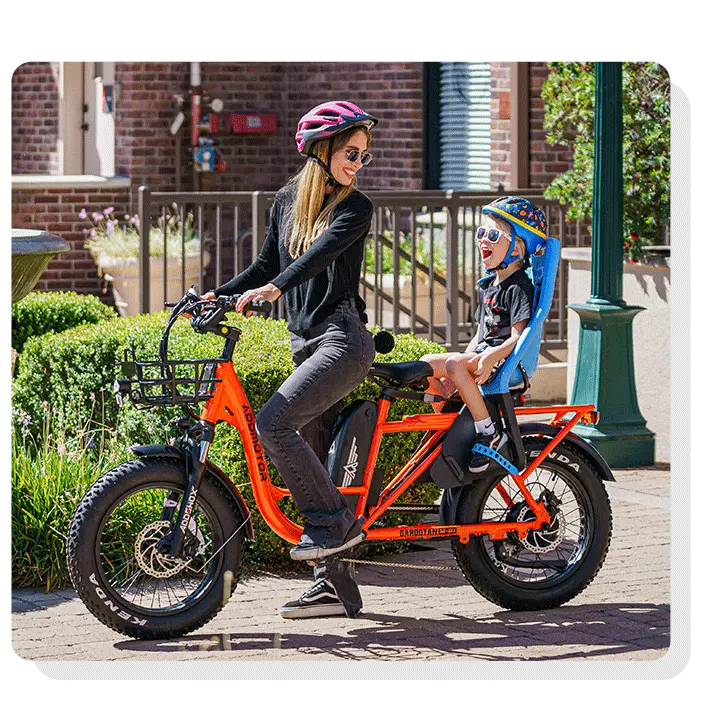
457	113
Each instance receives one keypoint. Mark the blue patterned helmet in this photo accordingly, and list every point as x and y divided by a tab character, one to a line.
526	220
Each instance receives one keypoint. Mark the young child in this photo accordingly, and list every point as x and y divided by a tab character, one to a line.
511	226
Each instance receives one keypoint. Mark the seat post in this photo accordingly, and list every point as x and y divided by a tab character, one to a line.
502	405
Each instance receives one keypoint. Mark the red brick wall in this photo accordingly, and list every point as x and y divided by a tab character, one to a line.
546	161
145	110
56	210
500	124
35	119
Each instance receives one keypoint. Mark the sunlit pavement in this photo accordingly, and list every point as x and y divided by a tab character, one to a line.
409	613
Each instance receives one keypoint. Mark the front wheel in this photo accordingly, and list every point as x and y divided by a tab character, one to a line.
551	565
122	575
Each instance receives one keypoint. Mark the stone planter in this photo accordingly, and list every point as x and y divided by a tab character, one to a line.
125	276
646	284
32	250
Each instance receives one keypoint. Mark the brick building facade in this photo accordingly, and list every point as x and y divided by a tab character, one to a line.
145	151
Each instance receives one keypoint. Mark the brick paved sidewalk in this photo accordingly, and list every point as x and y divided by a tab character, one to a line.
409	614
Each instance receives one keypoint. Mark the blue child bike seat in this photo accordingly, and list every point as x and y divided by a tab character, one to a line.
543	273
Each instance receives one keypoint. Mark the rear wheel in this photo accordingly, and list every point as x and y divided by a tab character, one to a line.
551	565
121	573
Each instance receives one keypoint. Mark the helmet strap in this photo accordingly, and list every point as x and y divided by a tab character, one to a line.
508	257
331	181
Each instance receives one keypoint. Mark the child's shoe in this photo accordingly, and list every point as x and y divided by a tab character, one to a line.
497	442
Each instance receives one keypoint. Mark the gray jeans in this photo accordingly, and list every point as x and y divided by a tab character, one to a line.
331	360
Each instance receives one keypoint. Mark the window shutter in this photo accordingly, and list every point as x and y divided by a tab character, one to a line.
465	126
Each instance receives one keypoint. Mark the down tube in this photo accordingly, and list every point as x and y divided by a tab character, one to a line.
231	405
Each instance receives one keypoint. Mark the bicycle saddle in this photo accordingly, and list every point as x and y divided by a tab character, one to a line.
404	373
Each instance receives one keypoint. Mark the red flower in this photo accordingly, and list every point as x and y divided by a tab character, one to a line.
634	236
633	260
627	244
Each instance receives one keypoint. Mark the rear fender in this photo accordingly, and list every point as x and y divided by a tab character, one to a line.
575	443
210	468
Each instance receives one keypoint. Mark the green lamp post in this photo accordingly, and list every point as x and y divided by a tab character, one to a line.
605	374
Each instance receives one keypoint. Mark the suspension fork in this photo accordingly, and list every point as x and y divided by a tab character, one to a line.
198	453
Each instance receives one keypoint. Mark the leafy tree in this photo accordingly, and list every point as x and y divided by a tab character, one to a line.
569	95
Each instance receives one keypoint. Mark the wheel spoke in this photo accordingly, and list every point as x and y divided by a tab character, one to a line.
134	569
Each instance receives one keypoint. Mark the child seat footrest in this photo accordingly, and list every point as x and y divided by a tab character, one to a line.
496	456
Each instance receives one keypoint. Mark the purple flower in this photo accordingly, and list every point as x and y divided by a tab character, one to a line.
93	232
97	217
83	214
135	220
110	227
108	210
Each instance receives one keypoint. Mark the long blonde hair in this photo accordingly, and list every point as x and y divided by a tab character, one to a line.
313	209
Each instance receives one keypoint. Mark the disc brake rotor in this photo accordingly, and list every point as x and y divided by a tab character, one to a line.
542	541
149	559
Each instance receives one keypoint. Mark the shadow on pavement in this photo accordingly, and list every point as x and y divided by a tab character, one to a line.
610	629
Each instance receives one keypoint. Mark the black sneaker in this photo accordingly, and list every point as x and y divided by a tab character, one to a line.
480	462
306	549
319	600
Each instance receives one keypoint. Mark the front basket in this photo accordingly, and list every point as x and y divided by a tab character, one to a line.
165	383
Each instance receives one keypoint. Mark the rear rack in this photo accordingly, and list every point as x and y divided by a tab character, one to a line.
167	382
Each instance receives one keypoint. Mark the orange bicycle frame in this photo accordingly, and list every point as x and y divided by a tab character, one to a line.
230	404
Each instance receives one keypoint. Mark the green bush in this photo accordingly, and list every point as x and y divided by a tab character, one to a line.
41	313
73	373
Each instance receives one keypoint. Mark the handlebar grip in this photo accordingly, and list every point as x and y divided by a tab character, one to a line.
262	307
201	324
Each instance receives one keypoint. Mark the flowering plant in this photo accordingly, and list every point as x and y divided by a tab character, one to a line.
110	240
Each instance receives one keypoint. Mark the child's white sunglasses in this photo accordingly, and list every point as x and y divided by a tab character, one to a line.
490	234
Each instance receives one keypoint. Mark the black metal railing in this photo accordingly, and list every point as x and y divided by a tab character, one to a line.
420	264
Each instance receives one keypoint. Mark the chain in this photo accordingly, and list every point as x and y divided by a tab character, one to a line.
400	565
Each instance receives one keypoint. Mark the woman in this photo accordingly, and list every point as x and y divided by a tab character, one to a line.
312	256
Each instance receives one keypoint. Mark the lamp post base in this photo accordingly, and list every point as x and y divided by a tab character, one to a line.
605	377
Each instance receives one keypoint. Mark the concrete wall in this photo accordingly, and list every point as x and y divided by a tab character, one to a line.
645	284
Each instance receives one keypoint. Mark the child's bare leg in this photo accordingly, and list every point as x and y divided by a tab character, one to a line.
438	384
458	371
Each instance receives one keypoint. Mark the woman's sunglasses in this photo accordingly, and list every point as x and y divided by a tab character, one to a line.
353	155
490	234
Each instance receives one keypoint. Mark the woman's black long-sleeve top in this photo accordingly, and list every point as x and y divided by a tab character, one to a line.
314	283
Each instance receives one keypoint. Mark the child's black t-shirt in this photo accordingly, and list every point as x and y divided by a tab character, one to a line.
501	306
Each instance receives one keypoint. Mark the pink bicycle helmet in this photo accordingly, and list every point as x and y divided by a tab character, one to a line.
328	119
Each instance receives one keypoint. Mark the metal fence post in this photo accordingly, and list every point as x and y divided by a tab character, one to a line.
144	256
258	223
451	302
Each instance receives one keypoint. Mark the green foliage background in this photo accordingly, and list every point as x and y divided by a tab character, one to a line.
569	95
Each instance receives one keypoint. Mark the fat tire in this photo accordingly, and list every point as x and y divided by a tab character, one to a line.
478	568
83	537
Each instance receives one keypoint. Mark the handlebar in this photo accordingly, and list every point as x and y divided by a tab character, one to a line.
206	319
207	314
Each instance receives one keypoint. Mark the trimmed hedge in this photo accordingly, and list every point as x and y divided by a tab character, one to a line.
40	313
73	373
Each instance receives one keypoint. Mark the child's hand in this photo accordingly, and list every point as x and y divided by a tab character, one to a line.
484	365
